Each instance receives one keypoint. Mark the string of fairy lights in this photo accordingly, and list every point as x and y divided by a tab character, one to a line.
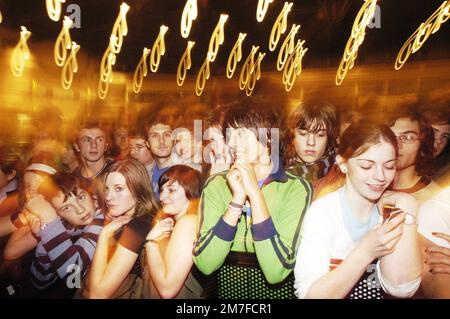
289	61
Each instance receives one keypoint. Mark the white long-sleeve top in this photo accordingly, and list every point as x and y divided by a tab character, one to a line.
328	237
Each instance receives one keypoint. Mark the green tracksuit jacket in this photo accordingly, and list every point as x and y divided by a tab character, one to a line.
274	241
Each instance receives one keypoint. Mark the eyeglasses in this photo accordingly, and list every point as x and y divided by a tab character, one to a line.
407	138
137	147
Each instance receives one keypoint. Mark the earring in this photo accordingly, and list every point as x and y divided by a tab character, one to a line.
344	170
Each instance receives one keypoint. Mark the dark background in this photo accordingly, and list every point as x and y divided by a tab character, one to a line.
325	25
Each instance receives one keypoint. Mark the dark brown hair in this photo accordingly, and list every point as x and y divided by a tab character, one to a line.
312	116
252	114
424	157
358	137
190	179
67	183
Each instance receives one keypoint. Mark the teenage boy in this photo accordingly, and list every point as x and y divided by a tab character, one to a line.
415	155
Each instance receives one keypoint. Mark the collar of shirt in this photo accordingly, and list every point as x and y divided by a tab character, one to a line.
356	228
278	174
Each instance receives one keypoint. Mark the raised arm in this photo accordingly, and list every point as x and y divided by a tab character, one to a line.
105	276
400	272
312	274
216	225
170	270
21	242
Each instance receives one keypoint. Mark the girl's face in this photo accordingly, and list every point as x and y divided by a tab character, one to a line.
370	173
173	198
119	199
31	183
310	146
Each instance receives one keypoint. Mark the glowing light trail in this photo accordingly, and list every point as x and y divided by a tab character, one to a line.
279	27
190	13
418	38
235	55
185	63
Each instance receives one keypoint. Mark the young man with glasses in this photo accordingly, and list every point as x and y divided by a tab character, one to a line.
140	150
415	155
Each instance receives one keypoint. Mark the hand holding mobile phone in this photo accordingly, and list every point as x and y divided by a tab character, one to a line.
390	212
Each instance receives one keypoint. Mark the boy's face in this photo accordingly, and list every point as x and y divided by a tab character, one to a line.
244	145
407	132
91	144
121	138
140	151
310	146
160	140
78	209
441	137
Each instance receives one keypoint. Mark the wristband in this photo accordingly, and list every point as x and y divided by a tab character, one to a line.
151	241
236	206
234	210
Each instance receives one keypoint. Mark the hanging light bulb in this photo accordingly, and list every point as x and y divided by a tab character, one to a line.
70	67
120	29
54	8
362	20
185	63
141	71
261	9
287	47
251	71
235	55
158	49
217	38
203	75
293	67
418	38
279	27
21	53
190	13
63	42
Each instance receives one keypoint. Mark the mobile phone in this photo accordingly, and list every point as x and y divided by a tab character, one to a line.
390	212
